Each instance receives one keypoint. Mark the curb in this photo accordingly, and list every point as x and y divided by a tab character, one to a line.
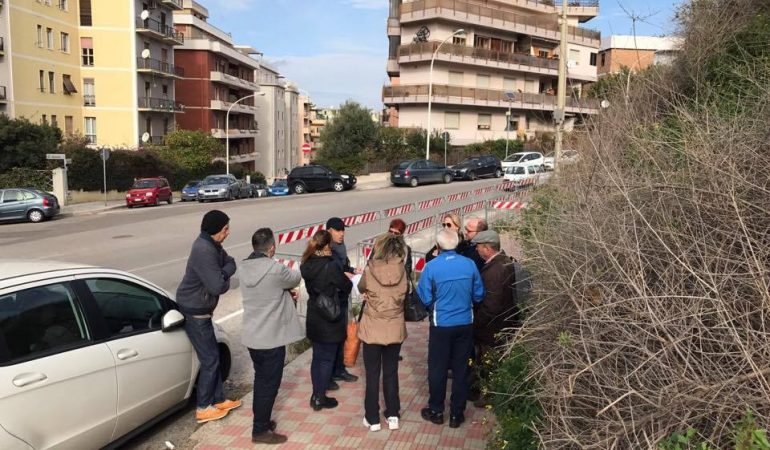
90	212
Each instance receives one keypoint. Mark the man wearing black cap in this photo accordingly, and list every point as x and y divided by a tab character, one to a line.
206	277
336	227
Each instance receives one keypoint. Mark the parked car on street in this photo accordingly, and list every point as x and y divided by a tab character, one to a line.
567	156
149	191
524	157
279	187
315	177
478	167
89	355
420	171
259	190
522	171
218	187
190	191
31	204
245	190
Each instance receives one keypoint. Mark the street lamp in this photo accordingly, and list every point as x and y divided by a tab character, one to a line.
227	127
430	86
511	96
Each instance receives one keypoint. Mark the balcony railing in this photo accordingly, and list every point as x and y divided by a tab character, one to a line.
156	27
547	24
3	94
89	100
173	4
426	49
160	104
487	97
159	66
233	80
154	140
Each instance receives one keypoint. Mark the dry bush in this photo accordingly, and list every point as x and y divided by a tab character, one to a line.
652	256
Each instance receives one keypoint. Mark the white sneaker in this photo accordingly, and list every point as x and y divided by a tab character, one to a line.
393	423
375	427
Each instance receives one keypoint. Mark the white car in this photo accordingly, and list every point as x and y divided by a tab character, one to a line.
567	156
88	355
530	158
522	171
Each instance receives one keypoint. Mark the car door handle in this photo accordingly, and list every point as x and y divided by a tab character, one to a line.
125	354
29	378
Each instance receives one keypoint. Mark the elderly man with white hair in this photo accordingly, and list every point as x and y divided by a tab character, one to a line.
449	286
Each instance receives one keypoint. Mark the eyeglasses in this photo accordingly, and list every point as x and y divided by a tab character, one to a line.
447	225
395	232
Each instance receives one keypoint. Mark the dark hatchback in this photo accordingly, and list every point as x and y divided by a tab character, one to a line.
420	171
478	167
30	204
316	177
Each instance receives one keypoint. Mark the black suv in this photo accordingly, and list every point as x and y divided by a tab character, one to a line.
478	167
316	177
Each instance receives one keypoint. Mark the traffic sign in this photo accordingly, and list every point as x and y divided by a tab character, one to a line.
306	148
60	156
105	154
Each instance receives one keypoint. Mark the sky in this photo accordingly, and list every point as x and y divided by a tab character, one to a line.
336	50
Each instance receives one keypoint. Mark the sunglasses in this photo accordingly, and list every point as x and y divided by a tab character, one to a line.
447	225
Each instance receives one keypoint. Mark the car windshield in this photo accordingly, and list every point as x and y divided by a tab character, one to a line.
144	184
403	165
279	183
192	184
516	170
217	180
515	157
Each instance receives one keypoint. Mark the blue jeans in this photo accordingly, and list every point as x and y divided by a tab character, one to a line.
204	341
449	348
321	366
268	372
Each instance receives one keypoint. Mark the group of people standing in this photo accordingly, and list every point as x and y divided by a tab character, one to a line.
467	286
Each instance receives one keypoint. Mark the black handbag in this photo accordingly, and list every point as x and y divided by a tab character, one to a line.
328	306
414	309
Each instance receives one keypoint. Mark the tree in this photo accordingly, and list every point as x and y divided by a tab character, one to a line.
496	147
348	139
190	151
24	144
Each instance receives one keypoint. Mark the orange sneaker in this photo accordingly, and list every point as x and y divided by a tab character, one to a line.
209	414
227	405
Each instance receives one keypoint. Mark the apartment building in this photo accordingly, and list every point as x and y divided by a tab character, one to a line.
305	110
6	82
272	150
292	127
635	52
506	59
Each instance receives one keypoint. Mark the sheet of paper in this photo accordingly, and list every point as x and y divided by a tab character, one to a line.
356	278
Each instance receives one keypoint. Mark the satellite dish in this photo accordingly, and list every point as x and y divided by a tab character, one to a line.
604	104
145	137
144	15
145	53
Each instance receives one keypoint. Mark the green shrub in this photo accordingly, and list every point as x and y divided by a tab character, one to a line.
23	177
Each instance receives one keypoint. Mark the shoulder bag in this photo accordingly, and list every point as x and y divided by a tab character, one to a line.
328	306
414	310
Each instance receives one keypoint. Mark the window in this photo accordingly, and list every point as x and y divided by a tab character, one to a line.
457	40
513	125
126	307
85	13
64	5
12	195
68	86
90	131
482	81
485	121
481	42
509	84
574	56
543	53
39	36
452	120
49	38
44	119
593	59
89	92
164	89
54	121
456	78
51	82
68	125
40	321
65	42
41	82
604	54
87	51
530	86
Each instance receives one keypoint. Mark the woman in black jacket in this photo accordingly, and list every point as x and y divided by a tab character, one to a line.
322	275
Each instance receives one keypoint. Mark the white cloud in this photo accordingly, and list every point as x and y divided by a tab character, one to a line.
368	4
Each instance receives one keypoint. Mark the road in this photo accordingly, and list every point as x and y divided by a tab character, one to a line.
155	242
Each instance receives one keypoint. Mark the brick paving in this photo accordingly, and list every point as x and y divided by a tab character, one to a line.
342	427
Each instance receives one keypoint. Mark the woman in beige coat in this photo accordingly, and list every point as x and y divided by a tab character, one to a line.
382	328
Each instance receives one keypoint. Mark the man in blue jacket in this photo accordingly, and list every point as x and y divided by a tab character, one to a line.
449	286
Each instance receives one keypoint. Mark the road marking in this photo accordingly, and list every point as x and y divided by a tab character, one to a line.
228	317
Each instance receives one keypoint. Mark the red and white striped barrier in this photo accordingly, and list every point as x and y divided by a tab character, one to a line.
458	196
506	186
290	263
360	219
508	205
420	225
451	211
430	203
481	191
297	235
397	211
473	207
367	251
419	264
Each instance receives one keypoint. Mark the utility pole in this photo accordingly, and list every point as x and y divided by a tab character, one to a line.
561	95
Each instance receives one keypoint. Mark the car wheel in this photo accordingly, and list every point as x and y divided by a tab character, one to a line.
413	182
338	186
157	201
35	216
298	188
542	167
471	176
170	199
200	200
498	173
448	178
129	206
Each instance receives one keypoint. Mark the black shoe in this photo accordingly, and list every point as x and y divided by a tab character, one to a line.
434	417
400	358
269	437
333	386
318	402
345	376
456	421
272	426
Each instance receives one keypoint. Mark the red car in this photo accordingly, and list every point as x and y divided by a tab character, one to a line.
149	191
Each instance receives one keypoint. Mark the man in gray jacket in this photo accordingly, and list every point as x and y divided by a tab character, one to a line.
270	322
206	277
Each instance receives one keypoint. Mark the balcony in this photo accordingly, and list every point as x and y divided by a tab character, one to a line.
164	105
3	96
221	105
393	68
459	11
153	140
476	97
244	157
158	67
173	4
235	133
463	54
394	26
155	29
89	100
232	80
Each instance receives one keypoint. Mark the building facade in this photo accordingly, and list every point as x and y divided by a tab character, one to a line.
272	159
506	60
292	127
635	52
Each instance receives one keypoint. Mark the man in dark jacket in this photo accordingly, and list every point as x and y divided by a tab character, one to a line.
467	248
206	277
336	227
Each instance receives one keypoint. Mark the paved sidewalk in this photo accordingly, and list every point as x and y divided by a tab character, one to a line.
342	427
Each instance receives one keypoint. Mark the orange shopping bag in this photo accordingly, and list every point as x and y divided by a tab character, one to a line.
352	344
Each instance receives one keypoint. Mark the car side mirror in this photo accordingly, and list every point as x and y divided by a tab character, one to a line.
172	320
